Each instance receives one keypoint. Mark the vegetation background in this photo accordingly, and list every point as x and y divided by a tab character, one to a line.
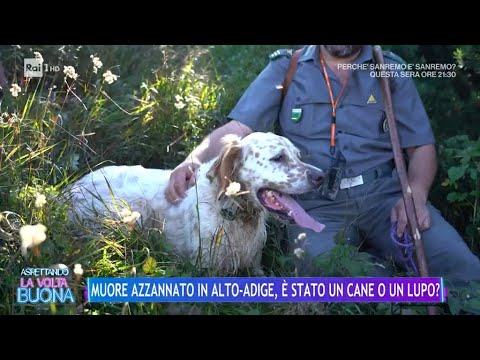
164	101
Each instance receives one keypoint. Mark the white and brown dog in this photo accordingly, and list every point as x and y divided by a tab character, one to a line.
227	231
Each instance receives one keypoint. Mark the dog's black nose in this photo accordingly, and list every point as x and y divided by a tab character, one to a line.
315	176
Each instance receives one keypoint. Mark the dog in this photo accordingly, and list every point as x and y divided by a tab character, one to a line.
235	192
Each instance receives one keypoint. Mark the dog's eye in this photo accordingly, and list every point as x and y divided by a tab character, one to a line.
277	158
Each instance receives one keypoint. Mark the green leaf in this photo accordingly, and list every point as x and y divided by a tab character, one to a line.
456	196
283	260
475	193
476	149
455	305
462	138
357	268
473	306
457	172
466	159
473	174
452	196
150	266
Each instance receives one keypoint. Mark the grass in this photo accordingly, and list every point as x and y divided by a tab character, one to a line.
165	100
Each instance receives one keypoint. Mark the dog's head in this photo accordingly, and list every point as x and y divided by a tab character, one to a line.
269	168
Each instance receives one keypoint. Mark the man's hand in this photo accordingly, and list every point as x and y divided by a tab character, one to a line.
182	178
399	214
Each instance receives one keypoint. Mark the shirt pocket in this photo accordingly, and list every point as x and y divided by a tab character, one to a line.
366	121
314	116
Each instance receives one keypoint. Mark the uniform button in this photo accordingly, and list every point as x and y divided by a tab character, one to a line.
298	98
350	171
345	147
340	131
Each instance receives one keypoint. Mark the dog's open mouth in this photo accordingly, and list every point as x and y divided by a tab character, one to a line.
287	209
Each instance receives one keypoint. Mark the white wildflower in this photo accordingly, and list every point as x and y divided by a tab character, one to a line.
97	64
300	237
4	117
131	218
38	56
15	89
109	77
179	102
77	269
299	253
125	213
40	200
69	71
58	266
180	105
32	236
192	100
128	216
232	189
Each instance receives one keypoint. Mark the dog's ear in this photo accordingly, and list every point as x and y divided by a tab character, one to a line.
227	163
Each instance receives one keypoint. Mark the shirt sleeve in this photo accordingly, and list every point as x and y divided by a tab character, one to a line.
259	105
413	123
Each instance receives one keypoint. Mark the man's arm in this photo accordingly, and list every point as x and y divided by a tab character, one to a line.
210	147
422	168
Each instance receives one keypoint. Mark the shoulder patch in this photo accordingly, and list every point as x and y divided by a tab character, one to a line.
392	56
281	53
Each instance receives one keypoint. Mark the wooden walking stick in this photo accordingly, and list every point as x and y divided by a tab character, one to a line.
402	174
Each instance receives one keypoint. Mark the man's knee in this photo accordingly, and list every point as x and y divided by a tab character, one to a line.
447	253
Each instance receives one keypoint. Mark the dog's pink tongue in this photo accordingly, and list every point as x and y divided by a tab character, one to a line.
298	214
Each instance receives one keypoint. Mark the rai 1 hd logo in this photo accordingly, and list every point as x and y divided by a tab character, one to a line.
44	285
35	67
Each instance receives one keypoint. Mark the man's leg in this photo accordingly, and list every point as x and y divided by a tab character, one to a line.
446	252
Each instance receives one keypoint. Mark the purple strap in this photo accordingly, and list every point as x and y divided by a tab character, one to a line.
406	248
85	294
